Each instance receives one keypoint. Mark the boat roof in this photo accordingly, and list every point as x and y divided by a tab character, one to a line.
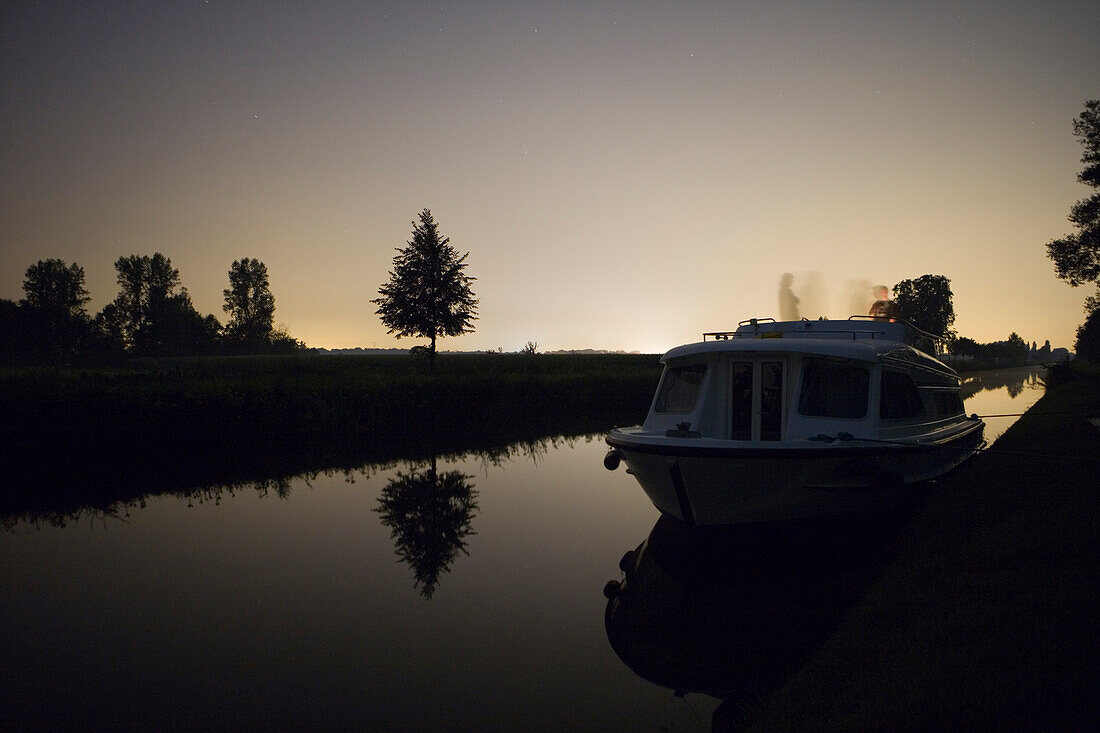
858	338
854	327
860	350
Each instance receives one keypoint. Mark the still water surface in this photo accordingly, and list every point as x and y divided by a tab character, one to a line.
459	593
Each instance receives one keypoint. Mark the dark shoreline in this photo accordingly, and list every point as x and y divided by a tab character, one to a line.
91	438
985	618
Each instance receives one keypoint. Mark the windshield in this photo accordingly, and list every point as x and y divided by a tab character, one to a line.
680	388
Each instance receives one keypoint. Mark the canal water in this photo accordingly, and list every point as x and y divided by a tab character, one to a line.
460	592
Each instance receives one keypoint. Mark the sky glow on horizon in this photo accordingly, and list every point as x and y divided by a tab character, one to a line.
623	175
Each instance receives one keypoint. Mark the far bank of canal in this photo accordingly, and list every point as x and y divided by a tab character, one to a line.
986	618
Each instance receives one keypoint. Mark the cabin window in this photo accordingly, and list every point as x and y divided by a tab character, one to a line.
680	388
900	398
741	401
771	400
947	403
833	389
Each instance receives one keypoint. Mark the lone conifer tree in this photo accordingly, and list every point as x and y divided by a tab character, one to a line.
428	294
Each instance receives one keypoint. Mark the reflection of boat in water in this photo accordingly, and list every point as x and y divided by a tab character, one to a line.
778	420
731	611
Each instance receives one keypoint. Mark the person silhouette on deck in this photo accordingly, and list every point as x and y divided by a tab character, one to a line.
883	308
788	301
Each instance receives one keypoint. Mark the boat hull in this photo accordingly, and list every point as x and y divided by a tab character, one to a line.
704	483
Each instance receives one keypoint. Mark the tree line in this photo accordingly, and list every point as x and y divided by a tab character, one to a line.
428	295
1013	351
152	315
927	303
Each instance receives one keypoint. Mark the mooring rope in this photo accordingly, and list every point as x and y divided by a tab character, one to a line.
847	437
1051	413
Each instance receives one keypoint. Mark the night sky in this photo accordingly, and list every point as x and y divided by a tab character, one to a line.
624	175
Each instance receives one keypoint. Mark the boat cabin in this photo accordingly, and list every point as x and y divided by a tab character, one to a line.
789	381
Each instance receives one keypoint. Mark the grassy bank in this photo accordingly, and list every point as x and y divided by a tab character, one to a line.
311	395
104	433
986	619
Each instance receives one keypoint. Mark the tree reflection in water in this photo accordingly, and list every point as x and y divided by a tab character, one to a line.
430	514
1013	380
114	499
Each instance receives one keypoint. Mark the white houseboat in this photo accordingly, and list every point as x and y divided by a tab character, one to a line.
781	420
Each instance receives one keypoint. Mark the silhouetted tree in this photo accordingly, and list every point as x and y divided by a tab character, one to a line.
143	282
1016	348
13	331
1077	256
428	294
1092	303
176	328
430	514
153	313
1087	345
54	301
964	346
57	289
926	302
283	343
249	303
108	329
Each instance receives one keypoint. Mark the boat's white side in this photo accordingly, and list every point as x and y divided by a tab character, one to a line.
702	481
819	460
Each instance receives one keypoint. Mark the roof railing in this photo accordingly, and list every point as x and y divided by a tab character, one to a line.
914	336
725	335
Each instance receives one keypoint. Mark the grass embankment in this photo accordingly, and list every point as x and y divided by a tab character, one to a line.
312	395
987	617
233	418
